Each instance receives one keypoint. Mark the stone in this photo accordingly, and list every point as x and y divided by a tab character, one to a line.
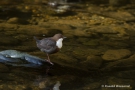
121	64
8	26
121	15
116	54
109	29
92	62
118	2
64	59
16	20
13	20
126	74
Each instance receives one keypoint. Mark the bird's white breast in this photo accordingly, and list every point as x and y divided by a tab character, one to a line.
59	43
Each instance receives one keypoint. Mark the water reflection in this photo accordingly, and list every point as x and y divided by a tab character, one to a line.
44	83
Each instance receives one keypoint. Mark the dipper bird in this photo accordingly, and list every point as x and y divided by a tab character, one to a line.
50	45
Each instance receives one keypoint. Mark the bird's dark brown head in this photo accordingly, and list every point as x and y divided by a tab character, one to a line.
58	36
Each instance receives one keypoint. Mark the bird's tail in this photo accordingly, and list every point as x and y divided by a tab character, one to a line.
36	39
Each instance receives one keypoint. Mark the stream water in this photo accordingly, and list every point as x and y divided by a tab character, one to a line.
82	63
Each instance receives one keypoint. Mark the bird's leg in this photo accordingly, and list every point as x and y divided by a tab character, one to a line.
49	60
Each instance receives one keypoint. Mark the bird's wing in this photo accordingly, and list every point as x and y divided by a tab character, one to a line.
47	45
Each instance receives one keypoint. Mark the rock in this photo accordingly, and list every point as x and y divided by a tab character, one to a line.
79	53
116	54
130	62
118	2
16	20
126	74
102	30
31	30
111	29
125	64
64	59
121	15
3	68
8	26
16	58
92	62
118	15
13	20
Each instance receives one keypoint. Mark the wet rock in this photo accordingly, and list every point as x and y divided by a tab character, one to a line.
116	54
124	64
8	26
129	62
121	15
13	20
118	15
111	29
126	74
92	62
80	53
64	59
3	68
31	30
16	20
16	58
118	2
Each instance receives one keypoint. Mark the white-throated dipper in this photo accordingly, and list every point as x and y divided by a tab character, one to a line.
50	45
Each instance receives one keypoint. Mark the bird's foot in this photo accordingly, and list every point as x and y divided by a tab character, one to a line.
50	62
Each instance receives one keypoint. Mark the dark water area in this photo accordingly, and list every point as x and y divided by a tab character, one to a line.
98	53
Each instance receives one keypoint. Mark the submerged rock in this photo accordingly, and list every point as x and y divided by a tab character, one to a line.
92	62
118	2
116	54
13	20
126	74
16	20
